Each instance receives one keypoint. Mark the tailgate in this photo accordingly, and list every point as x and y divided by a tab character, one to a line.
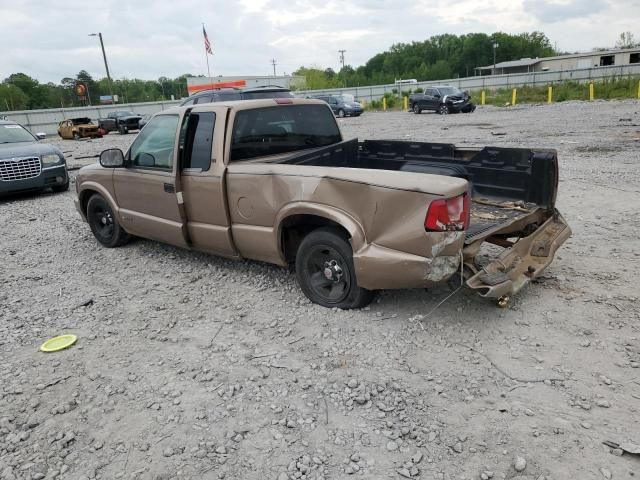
521	261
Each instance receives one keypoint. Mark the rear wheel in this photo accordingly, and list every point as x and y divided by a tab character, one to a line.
103	223
443	109
325	271
416	108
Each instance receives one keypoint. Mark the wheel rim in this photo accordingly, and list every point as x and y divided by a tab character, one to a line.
416	109
102	219
341	113
329	277
444	110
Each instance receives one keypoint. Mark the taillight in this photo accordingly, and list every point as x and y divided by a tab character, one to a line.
448	214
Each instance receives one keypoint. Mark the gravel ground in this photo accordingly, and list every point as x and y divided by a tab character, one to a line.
189	366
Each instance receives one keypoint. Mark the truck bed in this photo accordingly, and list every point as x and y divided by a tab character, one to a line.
509	185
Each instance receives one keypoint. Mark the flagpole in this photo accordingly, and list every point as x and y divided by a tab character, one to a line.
206	56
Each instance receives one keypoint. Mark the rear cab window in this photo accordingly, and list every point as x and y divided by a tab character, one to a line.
196	141
281	129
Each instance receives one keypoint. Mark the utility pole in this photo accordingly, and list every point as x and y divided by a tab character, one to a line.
344	80
341	52
273	62
495	46
106	65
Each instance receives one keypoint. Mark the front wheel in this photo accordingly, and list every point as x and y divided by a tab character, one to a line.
341	113
325	271
103	223
443	109
416	108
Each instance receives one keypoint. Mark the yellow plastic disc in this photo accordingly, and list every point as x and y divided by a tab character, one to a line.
58	343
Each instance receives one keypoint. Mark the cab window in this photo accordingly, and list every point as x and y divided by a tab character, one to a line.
153	148
197	140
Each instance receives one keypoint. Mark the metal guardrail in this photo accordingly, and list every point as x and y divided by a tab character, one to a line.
47	120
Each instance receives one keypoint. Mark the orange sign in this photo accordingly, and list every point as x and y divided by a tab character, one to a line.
213	85
80	89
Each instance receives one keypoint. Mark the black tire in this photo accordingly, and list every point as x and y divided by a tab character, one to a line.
103	223
123	130
443	109
76	136
341	113
61	188
416	108
325	271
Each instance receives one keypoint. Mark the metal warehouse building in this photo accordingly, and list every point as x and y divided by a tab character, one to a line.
603	58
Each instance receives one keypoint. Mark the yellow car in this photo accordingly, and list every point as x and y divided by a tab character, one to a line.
77	128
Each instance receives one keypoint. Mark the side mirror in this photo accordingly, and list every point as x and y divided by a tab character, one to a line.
41	136
437	95
112	158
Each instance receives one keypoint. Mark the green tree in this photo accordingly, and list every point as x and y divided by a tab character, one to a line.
12	97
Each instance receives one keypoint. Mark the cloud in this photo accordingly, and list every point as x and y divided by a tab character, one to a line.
554	11
148	39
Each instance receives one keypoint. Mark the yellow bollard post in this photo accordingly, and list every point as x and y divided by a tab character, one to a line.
482	97
638	89
364	104
550	94
591	92
514	96
384	104
406	103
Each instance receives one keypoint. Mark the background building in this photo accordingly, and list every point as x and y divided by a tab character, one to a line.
604	58
195	84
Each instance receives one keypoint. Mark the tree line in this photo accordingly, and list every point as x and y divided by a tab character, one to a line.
19	91
437	58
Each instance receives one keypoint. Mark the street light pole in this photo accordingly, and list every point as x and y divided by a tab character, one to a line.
495	46
106	65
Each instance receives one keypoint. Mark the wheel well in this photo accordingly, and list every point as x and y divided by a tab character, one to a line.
296	227
84	197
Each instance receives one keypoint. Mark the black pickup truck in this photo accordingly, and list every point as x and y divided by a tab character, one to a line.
121	120
443	99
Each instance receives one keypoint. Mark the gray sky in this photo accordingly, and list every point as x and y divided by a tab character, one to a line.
147	39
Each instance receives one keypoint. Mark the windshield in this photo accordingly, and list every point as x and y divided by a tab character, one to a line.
125	114
347	98
449	91
273	130
13	133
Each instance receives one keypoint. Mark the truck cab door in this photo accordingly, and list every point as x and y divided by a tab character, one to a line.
202	180
146	188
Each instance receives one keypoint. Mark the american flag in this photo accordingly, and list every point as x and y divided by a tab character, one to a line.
207	43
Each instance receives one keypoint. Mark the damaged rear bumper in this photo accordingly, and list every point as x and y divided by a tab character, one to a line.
523	261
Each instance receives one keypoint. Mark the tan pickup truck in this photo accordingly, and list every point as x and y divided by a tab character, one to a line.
273	180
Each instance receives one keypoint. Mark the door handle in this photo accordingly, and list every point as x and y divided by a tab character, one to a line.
169	188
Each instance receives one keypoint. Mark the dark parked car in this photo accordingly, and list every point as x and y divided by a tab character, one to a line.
342	105
442	99
231	94
121	120
28	164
